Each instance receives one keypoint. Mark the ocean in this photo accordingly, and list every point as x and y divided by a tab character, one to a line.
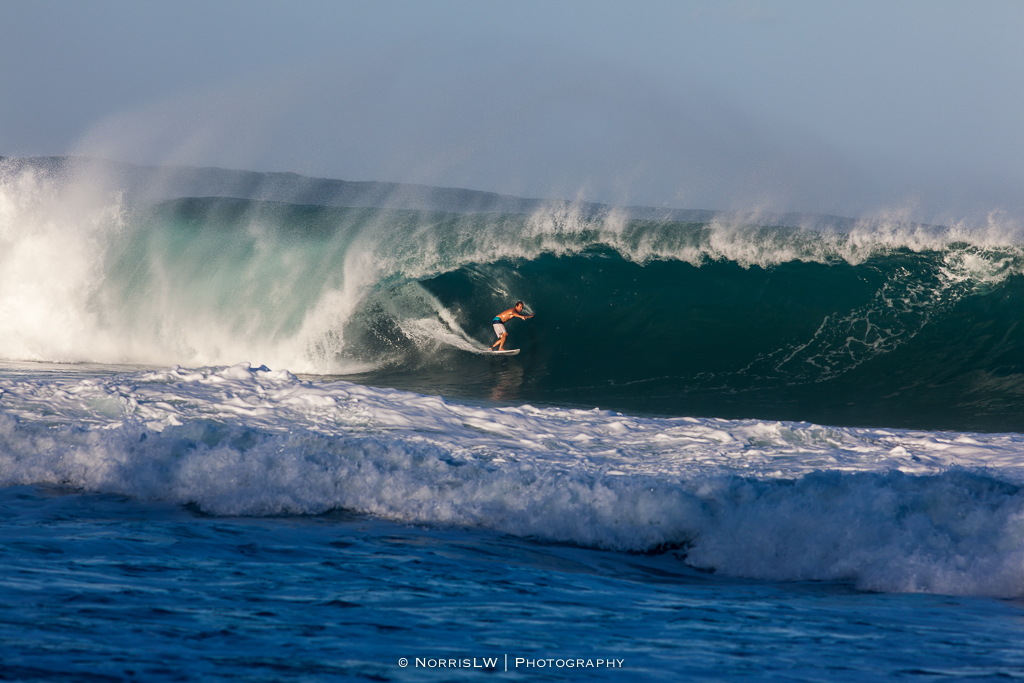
249	431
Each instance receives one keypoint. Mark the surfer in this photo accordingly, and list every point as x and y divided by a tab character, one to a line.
502	318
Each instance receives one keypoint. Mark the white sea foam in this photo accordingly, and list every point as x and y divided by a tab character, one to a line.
891	510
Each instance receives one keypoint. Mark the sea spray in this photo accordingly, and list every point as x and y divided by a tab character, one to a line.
53	248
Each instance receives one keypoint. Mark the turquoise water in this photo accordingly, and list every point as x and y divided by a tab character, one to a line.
902	329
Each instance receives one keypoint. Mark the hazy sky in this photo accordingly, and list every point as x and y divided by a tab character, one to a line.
915	107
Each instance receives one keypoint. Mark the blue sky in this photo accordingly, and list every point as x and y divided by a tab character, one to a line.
912	108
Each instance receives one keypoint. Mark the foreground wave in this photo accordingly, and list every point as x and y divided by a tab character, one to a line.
888	510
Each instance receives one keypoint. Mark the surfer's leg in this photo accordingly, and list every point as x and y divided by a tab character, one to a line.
499	330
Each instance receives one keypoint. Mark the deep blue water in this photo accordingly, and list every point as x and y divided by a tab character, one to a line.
103	588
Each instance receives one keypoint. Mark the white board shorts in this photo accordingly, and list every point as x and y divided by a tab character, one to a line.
499	329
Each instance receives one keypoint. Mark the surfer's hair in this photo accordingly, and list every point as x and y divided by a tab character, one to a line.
520	303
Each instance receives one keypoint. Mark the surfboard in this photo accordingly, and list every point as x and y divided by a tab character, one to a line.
506	352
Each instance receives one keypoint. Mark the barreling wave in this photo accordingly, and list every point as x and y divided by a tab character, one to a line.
880	323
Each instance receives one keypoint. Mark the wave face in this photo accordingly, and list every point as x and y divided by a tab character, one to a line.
881	324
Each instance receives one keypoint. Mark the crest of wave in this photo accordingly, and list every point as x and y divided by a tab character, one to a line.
765	240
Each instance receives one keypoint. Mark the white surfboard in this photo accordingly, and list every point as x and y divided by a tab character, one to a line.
506	352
